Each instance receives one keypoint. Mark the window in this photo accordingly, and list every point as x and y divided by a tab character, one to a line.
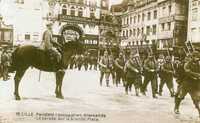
134	32
130	32
131	19
27	37
143	16
7	36
126	33
123	33
138	32
92	14
148	30
155	14
162	26
142	30
138	18
64	10
72	11
169	25
134	19
154	29
80	12
127	20
170	9
163	10
194	14
149	15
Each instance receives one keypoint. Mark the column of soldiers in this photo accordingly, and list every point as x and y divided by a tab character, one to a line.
85	60
132	70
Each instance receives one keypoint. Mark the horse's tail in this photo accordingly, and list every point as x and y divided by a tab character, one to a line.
13	64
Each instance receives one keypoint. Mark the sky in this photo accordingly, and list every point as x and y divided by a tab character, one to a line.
115	1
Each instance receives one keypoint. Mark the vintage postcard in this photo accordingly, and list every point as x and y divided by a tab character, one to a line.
99	61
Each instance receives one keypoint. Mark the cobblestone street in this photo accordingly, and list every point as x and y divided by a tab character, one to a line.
83	94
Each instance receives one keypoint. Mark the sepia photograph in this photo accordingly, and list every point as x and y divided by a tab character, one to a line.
99	61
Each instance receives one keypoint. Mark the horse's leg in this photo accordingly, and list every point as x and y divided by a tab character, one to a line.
59	78
18	76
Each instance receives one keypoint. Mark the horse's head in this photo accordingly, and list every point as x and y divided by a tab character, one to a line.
72	48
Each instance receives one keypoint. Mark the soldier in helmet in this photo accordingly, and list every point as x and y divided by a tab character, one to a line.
150	69
190	83
133	73
166	76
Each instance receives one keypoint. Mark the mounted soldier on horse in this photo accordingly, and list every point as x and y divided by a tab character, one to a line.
51	57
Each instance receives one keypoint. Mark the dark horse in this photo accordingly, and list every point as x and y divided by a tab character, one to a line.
31	56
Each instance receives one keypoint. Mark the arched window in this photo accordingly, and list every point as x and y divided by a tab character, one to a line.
72	11
64	10
80	12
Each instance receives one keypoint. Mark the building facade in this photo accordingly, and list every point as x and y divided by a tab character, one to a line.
194	21
172	23
26	16
160	22
86	16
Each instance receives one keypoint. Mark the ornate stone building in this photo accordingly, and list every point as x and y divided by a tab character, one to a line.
162	22
194	21
91	18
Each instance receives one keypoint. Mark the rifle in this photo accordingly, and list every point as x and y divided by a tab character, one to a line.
168	53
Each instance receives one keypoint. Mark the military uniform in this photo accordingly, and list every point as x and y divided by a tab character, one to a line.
167	77
119	68
47	44
105	66
190	83
133	75
150	74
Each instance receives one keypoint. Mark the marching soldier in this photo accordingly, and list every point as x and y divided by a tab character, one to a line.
150	69
133	73
167	76
190	83
86	60
105	67
119	64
